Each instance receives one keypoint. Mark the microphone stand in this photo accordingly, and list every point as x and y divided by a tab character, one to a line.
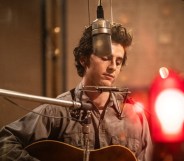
71	104
86	131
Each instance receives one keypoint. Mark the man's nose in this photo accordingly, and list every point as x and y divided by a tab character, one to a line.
112	65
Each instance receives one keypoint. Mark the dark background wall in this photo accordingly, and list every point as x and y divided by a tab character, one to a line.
20	52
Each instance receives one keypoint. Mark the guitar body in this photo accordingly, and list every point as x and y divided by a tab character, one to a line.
49	150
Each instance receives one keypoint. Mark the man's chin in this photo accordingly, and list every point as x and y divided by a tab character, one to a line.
106	83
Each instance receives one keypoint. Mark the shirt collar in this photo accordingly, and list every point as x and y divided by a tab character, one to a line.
114	100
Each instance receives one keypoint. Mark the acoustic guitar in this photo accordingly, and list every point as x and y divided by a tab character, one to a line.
49	150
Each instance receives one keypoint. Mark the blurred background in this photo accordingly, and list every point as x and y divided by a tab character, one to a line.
37	39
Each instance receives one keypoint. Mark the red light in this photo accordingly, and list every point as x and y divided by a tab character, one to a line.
169	107
167	103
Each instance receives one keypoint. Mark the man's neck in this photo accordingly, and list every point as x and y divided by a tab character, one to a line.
98	99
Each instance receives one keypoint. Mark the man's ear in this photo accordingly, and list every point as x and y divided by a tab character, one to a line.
83	61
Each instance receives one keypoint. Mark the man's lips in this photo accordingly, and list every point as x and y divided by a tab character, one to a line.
108	76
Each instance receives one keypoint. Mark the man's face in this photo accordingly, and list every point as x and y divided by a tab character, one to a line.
103	71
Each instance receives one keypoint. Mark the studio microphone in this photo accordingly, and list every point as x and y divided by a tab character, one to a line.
101	34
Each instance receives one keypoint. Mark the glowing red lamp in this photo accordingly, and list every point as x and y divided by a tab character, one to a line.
167	107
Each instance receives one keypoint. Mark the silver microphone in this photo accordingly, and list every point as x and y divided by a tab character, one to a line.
101	32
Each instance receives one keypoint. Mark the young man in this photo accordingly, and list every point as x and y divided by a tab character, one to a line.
113	120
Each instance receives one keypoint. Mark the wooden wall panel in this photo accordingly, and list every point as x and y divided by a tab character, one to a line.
20	53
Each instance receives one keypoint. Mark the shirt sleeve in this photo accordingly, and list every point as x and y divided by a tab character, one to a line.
147	146
32	127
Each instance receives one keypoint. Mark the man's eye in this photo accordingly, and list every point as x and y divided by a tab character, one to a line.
119	62
105	58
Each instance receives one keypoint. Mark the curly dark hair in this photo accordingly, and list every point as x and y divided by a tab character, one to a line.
119	34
